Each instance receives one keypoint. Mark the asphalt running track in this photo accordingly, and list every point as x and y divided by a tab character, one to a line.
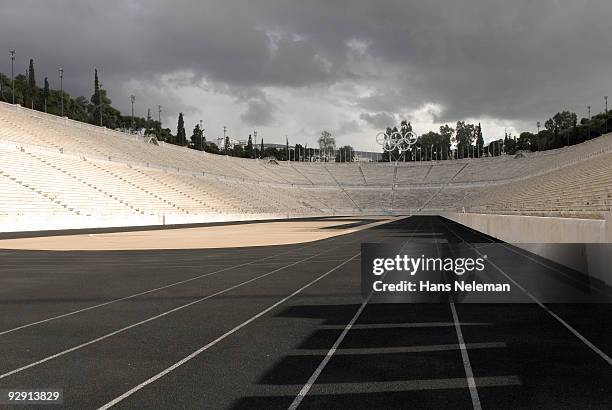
286	327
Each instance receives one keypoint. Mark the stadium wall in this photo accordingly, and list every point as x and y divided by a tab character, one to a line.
572	242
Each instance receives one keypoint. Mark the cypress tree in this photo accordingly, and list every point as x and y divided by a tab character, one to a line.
31	83
261	150
250	147
96	86
479	140
46	93
96	100
181	137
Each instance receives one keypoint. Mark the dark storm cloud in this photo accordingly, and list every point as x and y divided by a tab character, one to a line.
347	127
512	60
259	112
380	120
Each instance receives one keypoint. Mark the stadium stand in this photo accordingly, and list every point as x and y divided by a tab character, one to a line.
315	173
583	190
62	168
377	175
346	174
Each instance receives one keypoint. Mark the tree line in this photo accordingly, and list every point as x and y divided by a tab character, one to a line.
465	140
96	110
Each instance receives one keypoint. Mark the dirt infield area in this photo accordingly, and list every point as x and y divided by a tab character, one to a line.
216	236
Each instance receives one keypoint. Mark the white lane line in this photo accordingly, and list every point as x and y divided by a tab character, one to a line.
220	338
526	256
469	375
405	325
301	247
396	386
465	357
569	327
74	312
150	319
313	378
403	349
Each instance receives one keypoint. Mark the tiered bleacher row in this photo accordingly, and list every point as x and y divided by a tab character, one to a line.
59	169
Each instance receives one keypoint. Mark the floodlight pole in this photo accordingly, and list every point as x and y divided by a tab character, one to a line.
13	74
61	76
27	76
201	136
225	144
255	144
132	99
606	120
159	110
100	102
589	118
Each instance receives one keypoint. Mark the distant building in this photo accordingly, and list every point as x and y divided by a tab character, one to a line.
220	141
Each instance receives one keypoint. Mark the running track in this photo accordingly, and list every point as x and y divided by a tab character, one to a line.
286	327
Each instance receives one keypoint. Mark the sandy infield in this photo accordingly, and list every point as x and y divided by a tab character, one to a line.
227	236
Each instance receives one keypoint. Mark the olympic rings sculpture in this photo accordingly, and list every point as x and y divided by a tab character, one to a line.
396	140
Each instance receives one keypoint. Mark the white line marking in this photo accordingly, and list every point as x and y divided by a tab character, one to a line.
139	294
220	338
525	255
313	378
405	325
403	349
396	386
174	284
467	366
469	375
569	327
176	309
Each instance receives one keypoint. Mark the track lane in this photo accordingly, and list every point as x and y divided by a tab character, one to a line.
268	291
520	357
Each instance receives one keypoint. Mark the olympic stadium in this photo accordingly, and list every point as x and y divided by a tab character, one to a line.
283	204
139	274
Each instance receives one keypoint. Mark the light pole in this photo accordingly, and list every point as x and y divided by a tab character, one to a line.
26	76
589	119
159	110
100	102
201	136
606	120
132	99
538	135
61	75
225	144
13	74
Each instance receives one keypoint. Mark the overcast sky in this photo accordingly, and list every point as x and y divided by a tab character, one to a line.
288	67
